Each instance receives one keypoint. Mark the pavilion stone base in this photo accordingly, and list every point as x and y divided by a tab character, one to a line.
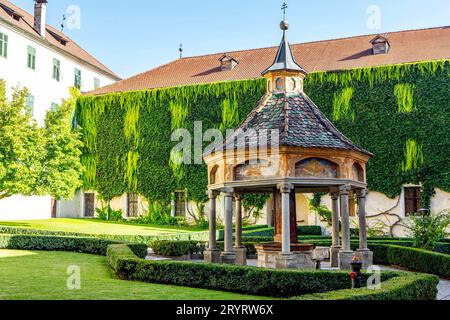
241	256
345	259
269	257
212	256
366	258
334	256
228	258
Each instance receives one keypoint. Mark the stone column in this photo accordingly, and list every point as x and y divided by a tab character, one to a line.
364	252
212	254
240	250
346	254
286	258
335	247
228	255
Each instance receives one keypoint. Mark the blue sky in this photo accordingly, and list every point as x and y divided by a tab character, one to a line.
136	35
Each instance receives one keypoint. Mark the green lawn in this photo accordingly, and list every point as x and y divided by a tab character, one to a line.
42	275
93	226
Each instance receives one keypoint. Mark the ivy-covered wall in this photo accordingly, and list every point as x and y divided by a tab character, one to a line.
400	113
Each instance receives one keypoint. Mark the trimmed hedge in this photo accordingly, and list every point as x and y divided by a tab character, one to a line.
265	282
410	287
53	243
177	248
72	244
269	232
144	239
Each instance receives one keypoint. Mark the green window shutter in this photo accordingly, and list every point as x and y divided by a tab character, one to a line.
31	60
77	82
56	69
3	45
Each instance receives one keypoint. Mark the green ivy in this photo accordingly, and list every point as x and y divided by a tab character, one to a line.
376	112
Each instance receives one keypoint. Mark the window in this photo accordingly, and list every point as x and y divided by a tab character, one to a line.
54	106
77	82
412	200
29	102
56	69
31	58
96	83
180	204
3	45
132	205
89	204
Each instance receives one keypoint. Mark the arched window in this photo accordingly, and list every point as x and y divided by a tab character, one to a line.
253	169
316	167
357	172
213	175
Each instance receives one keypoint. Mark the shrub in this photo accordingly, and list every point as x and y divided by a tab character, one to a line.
410	287
269	232
428	229
144	239
54	243
247	280
250	246
108	214
177	248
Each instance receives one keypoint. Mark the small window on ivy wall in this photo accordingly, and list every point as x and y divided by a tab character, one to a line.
132	205
3	45
77	81
180	204
96	83
412	200
29	102
31	58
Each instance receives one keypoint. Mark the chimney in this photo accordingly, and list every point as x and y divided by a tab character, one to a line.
40	9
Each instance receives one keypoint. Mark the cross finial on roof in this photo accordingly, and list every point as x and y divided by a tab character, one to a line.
284	7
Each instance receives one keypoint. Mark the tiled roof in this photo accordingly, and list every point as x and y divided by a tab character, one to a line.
339	54
299	121
26	23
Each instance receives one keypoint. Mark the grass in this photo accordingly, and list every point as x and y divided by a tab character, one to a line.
94	226
42	275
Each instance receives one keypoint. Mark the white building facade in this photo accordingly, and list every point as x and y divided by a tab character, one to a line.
38	57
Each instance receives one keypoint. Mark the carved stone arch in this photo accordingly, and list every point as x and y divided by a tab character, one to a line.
357	172
317	167
213	178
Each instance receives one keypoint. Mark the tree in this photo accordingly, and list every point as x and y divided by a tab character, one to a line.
20	146
61	174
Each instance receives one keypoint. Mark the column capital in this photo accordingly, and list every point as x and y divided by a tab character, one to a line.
213	194
238	196
228	192
334	195
285	187
345	190
362	193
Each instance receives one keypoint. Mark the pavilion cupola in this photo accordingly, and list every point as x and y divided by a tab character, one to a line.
285	74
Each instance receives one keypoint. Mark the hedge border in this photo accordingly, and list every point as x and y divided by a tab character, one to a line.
263	282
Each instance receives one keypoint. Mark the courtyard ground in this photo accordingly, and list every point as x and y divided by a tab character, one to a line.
93	226
41	275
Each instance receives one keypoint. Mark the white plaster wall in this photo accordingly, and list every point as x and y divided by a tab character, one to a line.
40	83
25	208
46	91
71	208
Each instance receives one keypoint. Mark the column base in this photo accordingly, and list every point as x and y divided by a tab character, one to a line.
241	255
286	261
228	258
366	257
334	256
345	259
212	256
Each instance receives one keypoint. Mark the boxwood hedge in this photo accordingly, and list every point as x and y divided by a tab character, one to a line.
258	281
